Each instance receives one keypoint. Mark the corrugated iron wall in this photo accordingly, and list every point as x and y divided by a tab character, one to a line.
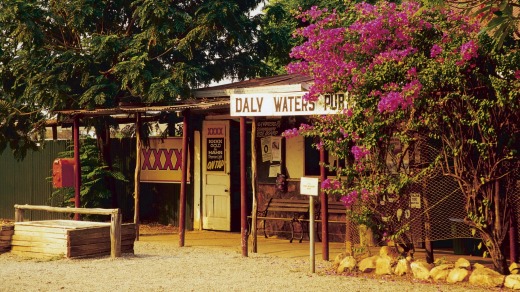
27	181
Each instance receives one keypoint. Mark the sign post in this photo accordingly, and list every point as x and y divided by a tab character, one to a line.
309	187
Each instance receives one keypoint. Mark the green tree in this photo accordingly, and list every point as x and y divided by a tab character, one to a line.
501	18
77	54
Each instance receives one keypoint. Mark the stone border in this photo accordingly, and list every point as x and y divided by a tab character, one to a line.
390	262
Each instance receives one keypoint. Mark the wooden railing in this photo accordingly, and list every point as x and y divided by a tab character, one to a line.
115	220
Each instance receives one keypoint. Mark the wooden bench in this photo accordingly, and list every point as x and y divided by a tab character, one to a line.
287	210
334	208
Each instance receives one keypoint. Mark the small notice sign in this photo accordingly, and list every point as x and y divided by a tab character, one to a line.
309	186
415	200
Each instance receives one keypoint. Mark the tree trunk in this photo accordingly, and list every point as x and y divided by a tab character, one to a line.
104	146
497	255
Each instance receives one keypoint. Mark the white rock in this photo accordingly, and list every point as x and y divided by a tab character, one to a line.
388	251
440	272
402	267
367	265
462	263
348	263
338	259
457	275
420	270
384	265
486	277
514	268
512	281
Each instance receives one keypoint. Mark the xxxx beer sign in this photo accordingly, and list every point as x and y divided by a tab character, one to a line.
215	148
161	162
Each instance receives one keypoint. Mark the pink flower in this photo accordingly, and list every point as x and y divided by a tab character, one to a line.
359	152
390	102
325	184
469	50
435	51
349	199
290	133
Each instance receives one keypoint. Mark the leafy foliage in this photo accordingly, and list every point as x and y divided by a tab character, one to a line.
91	54
501	17
415	76
94	173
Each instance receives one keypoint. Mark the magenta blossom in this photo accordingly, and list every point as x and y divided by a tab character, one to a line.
435	51
469	50
359	152
349	199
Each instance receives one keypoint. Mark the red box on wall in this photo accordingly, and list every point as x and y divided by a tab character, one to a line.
63	172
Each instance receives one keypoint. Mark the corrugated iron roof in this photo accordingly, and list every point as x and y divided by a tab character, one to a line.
209	98
279	80
190	104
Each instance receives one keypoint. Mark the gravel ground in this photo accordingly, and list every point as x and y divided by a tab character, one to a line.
162	266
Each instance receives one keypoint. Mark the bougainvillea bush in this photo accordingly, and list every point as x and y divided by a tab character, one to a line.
415	76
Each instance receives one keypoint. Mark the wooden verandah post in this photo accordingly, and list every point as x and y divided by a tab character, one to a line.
77	167
243	185
324	210
184	177
137	175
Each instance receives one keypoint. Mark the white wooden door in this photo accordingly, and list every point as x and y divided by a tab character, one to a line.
216	193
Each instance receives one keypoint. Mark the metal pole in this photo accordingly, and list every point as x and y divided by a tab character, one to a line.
324	210
184	177
243	185
311	234
77	168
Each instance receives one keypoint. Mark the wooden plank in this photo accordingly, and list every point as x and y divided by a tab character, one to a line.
102	247
91	211
30	228
297	210
92	232
67	224
44	250
275	218
289	201
30	254
5	237
7	232
105	231
288	206
57	245
37	238
40	234
91	240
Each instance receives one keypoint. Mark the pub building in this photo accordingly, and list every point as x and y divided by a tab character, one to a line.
225	174
269	106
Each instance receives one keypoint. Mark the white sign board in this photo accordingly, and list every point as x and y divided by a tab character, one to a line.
415	200
285	104
309	186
